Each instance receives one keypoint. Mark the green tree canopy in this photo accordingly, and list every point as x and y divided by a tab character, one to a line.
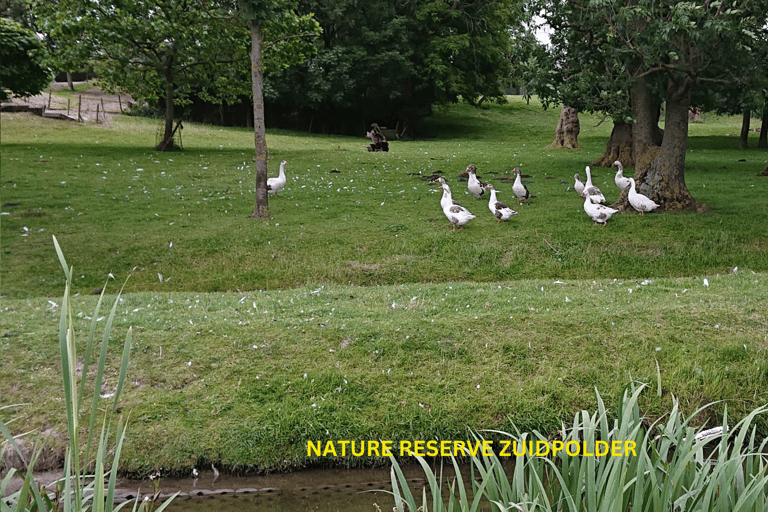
155	51
627	56
21	54
389	62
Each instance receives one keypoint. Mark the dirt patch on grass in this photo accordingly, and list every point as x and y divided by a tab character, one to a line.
93	105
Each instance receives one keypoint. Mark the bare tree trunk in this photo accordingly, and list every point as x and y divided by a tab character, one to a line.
167	142
261	207
744	138
619	147
70	83
567	131
664	181
762	142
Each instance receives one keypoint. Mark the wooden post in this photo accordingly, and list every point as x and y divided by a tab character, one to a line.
103	110
68	102
49	98
97	113
79	104
120	102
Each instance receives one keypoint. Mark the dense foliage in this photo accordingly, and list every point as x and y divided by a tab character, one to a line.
626	58
22	72
389	63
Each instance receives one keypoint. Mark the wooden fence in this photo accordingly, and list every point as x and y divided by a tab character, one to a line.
86	105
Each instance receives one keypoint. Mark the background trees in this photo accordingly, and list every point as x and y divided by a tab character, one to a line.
21	52
389	63
628	57
159	51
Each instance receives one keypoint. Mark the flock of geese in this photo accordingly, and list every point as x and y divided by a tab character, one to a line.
458	215
593	197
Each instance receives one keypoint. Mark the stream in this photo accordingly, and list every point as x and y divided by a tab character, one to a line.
325	490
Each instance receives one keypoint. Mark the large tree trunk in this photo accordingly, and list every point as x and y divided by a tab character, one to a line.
664	180
261	208
619	147
646	134
744	138
762	142
567	131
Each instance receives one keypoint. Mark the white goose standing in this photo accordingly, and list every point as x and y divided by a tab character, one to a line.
597	212
454	212
638	201
578	185
619	179
520	190
591	191
447	199
499	210
475	186
275	185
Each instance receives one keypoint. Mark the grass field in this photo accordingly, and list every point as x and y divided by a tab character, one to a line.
354	312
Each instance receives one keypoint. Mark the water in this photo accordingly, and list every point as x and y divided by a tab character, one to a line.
324	490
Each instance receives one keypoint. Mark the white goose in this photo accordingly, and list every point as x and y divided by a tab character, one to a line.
578	185
275	185
447	199
520	190
638	201
592	191
475	186
620	180
597	212
499	210
456	214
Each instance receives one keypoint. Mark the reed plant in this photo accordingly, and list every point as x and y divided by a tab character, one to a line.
674	467
91	461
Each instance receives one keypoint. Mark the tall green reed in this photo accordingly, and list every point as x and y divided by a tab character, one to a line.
90	474
675	467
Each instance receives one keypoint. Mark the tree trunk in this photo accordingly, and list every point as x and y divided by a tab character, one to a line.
744	138
664	181
762	142
261	207
646	133
567	131
619	147
70	83
167	142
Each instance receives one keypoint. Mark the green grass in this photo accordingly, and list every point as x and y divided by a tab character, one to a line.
403	329
186	215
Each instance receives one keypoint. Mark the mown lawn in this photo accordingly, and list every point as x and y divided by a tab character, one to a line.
354	312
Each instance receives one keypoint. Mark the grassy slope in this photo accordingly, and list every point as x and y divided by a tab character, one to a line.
403	329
